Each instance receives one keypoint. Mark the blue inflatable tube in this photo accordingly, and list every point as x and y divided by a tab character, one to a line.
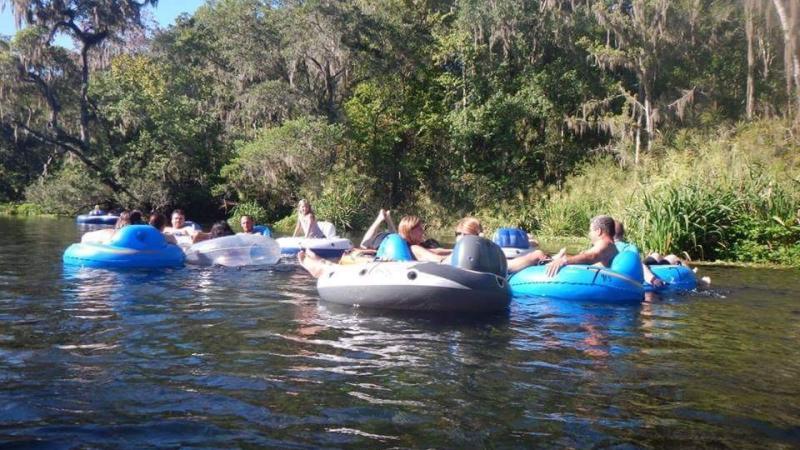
576	282
676	277
262	230
622	282
132	247
105	219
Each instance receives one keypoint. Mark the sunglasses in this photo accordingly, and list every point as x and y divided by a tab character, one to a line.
458	233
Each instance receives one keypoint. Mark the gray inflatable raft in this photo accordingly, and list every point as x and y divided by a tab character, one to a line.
414	286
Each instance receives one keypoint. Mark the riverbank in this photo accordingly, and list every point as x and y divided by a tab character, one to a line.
23	209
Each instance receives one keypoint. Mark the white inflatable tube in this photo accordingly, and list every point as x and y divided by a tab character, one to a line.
235	251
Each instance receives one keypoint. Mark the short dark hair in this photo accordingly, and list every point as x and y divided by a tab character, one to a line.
136	217
619	231
604	224
220	229
158	220
178	211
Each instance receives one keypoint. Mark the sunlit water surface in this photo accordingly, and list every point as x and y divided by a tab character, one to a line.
220	357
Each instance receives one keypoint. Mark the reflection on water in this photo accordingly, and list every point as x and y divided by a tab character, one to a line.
240	357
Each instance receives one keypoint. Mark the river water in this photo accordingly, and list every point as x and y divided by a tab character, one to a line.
219	357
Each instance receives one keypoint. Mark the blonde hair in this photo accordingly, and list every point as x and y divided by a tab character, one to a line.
408	223
470	225
302	200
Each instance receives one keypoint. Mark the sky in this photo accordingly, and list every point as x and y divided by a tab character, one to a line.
165	14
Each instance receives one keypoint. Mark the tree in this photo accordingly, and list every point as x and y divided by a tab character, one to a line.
789	14
89	23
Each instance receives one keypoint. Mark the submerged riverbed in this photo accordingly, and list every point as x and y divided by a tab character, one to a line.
225	357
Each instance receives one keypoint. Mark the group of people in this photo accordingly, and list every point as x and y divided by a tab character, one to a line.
177	228
607	238
606	234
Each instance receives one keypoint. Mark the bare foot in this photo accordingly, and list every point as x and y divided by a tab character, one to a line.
311	262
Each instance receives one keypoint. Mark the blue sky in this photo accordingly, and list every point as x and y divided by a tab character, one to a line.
165	14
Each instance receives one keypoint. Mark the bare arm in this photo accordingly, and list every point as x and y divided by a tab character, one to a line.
297	227
440	251
528	259
423	254
590	256
650	277
200	236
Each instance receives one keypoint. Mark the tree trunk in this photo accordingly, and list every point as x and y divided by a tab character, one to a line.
751	60
647	90
789	26
638	148
84	126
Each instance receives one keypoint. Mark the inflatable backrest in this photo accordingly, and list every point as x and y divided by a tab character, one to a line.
138	237
394	248
193	226
511	238
623	246
629	264
479	254
328	229
262	230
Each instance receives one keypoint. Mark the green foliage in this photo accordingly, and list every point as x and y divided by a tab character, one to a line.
257	212
729	195
271	168
285	225
21	209
69	191
693	218
346	200
165	153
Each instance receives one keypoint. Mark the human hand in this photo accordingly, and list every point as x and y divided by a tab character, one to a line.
555	265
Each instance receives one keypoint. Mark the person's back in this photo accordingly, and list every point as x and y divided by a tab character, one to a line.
105	235
606	251
159	222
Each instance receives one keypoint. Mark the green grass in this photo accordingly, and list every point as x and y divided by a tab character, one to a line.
730	194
